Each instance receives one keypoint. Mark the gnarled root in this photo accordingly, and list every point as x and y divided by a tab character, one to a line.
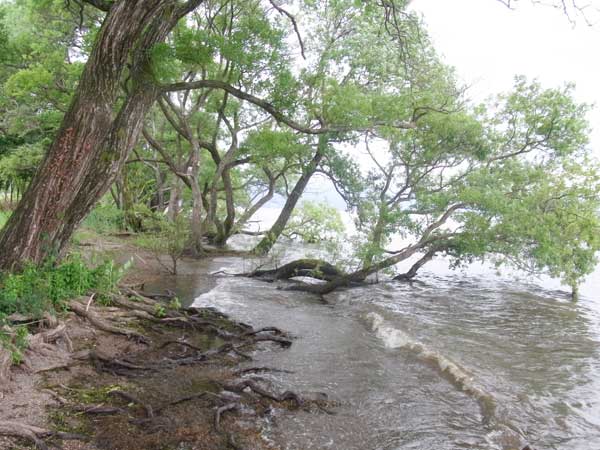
256	388
103	325
35	435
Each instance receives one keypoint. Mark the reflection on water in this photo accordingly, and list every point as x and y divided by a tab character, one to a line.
452	361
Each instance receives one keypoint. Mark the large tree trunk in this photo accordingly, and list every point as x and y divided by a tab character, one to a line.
93	142
267	242
174	199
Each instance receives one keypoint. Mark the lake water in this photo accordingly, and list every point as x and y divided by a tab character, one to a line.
459	360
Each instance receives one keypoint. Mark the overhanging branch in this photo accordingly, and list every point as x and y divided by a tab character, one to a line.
273	111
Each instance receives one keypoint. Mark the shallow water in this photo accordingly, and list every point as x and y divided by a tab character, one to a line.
451	361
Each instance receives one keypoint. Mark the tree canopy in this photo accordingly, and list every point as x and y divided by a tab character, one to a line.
210	109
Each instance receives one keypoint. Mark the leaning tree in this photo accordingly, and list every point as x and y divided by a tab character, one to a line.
513	183
118	86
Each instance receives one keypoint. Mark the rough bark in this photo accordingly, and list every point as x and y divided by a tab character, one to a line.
93	141
314	268
174	198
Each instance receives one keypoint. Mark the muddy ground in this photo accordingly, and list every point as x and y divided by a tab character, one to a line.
143	374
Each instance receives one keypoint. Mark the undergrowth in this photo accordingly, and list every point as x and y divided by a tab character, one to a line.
47	288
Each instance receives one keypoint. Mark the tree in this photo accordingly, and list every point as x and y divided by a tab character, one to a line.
512	183
102	123
227	89
97	132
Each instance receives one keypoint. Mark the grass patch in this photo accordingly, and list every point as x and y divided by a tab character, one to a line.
37	289
48	288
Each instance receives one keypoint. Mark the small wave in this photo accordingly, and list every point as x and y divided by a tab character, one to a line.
395	338
218	297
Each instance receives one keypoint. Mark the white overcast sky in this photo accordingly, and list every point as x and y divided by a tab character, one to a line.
489	44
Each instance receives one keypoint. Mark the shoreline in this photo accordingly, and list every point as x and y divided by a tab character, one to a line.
124	376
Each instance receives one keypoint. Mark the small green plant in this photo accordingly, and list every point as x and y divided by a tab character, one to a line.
175	303
47	288
159	310
38	289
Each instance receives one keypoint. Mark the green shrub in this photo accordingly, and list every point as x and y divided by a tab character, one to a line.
47	288
37	289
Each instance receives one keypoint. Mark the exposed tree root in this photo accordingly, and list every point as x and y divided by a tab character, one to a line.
35	435
274	330
150	362
250	370
256	388
228	407
99	410
103	325
117	366
132	399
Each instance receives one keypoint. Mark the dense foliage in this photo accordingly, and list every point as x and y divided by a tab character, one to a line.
255	98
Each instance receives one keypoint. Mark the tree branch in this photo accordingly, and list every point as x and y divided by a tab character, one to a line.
294	24
102	5
269	108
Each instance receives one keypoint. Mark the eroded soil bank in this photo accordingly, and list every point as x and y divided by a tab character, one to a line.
141	374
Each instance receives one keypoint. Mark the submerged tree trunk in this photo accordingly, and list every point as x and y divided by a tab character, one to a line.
267	242
431	239
93	141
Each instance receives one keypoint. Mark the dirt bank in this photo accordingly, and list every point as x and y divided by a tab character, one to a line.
141	373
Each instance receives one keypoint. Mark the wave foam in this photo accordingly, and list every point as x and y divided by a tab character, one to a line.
395	338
